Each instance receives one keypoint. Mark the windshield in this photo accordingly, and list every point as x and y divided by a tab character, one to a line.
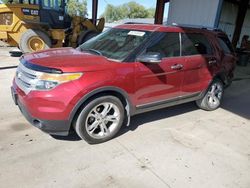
115	43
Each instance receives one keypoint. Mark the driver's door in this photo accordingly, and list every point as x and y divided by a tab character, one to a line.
161	82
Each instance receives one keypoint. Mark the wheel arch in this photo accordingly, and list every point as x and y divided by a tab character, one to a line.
114	91
222	77
219	76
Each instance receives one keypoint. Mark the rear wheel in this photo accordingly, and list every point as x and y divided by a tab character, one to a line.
212	99
100	119
34	40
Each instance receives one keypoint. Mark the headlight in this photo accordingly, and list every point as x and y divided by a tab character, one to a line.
46	81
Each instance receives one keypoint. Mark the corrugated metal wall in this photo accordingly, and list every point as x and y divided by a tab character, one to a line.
193	12
228	18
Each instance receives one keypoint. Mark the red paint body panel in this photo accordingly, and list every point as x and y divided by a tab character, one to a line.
69	60
196	75
155	82
57	103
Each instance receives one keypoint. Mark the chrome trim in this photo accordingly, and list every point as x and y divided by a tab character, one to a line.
25	78
155	103
180	38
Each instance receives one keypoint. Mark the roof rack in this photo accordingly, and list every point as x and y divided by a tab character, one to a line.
197	27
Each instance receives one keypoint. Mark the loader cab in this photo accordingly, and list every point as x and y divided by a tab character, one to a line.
51	12
54	13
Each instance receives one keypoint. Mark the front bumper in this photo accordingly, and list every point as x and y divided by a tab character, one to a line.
53	127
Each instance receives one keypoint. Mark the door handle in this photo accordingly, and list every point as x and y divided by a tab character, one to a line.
211	62
177	67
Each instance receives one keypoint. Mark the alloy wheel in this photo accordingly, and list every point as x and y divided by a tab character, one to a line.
215	94
102	120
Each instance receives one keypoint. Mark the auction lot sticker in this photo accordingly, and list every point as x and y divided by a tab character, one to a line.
137	33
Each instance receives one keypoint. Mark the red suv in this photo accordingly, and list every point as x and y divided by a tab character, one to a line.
129	69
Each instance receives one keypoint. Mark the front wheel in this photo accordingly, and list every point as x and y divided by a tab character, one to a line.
212	99
100	119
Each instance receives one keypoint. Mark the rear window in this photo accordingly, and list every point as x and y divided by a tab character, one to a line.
195	43
226	45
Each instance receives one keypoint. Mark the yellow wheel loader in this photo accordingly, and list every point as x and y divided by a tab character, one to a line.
35	25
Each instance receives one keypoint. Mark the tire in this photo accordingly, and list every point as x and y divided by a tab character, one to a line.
34	40
213	97
93	125
85	36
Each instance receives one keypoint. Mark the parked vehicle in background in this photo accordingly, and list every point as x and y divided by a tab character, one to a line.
129	69
38	25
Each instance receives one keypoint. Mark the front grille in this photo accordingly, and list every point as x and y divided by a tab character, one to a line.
25	78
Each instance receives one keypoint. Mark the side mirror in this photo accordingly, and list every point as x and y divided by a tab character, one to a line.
151	57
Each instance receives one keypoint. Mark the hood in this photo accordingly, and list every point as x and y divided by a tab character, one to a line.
68	60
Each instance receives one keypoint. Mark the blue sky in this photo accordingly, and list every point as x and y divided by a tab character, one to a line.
103	3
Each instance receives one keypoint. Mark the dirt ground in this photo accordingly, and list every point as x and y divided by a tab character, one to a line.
176	147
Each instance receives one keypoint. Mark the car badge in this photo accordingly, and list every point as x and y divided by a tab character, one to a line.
19	75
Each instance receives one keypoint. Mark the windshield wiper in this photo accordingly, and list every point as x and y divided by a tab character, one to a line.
93	50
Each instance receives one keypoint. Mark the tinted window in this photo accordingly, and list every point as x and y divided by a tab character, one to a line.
168	46
193	44
225	44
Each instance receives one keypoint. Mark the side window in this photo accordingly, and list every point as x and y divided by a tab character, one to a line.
194	43
225	44
168	46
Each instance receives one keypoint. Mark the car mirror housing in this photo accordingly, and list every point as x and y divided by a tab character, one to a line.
151	57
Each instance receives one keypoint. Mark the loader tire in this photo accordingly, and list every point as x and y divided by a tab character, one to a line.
34	40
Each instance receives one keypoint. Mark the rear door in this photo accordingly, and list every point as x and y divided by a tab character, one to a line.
156	83
198	53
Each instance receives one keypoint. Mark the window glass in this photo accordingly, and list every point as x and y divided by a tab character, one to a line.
116	43
225	44
51	4
59	4
46	3
31	2
168	46
25	1
55	4
36	2
194	43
